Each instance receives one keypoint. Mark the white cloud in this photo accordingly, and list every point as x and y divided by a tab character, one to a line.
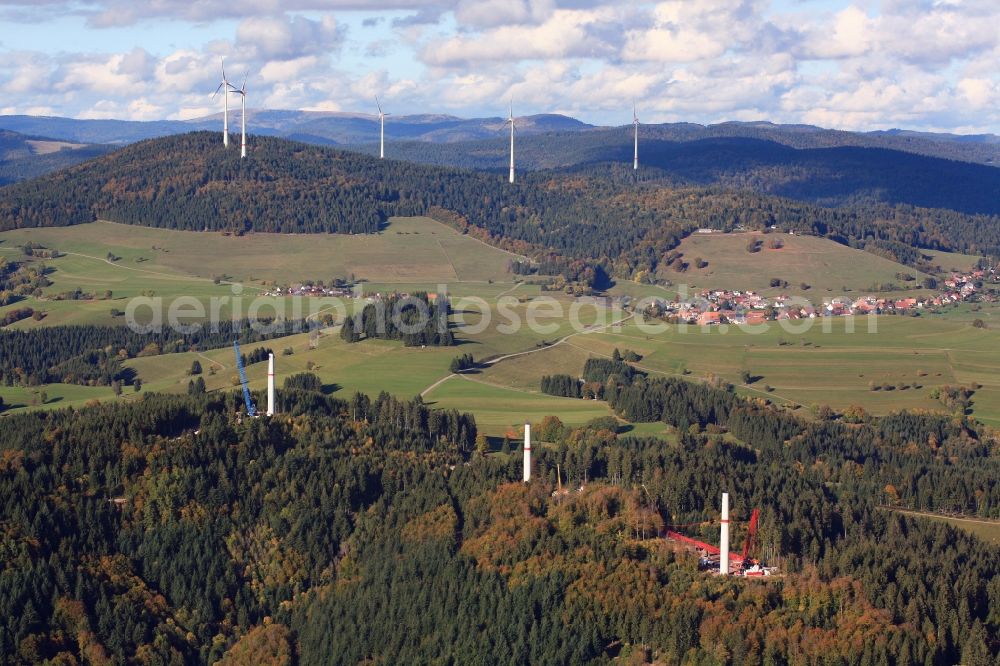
103	75
979	93
565	34
287	38
184	71
492	13
861	64
27	72
287	70
850	33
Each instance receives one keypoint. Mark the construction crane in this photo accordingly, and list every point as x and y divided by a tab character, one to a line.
747	565
251	409
750	543
750	567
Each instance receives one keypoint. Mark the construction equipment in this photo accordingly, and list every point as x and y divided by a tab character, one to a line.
750	566
251	409
750	543
711	556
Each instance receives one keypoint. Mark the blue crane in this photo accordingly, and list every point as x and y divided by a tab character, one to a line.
251	409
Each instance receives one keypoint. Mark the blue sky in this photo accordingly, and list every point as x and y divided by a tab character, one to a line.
866	64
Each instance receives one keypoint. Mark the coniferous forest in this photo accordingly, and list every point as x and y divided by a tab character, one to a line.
416	320
167	530
93	354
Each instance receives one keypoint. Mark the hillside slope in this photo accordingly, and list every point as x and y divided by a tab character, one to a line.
592	220
191	182
23	156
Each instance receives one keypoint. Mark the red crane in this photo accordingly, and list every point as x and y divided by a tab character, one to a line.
750	544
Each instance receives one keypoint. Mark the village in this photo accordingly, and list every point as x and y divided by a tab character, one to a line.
745	307
339	289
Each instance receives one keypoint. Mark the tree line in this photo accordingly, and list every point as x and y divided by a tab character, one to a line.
94	354
416	320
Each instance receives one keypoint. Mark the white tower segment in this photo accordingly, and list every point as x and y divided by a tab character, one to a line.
270	385
510	119
224	88
243	119
381	120
635	123
242	92
724	537
243	125
527	452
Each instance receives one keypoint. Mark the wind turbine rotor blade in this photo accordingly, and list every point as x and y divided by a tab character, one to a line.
379	105
216	93
224	70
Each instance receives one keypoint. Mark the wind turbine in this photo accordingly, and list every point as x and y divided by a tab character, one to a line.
510	119
242	92
635	122
381	120
224	87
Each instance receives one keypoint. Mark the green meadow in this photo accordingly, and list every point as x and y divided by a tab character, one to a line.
825	266
987	530
834	365
824	363
416	249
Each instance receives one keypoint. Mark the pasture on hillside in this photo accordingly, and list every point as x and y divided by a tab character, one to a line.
904	358
410	254
408	249
369	366
827	267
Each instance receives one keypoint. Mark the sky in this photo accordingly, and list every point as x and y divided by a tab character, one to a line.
861	65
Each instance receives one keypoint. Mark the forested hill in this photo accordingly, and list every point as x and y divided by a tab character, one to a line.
591	220
23	156
165	530
827	176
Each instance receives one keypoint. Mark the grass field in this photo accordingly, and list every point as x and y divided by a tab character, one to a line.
370	366
833	367
410	254
824	365
951	261
498	409
408	249
824	265
987	530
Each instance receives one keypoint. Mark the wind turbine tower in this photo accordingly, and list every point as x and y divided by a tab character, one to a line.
526	476
242	92
635	123
510	119
270	384
381	120
724	537
224	87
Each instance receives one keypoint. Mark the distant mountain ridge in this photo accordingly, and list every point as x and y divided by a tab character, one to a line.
358	129
24	156
323	127
829	176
